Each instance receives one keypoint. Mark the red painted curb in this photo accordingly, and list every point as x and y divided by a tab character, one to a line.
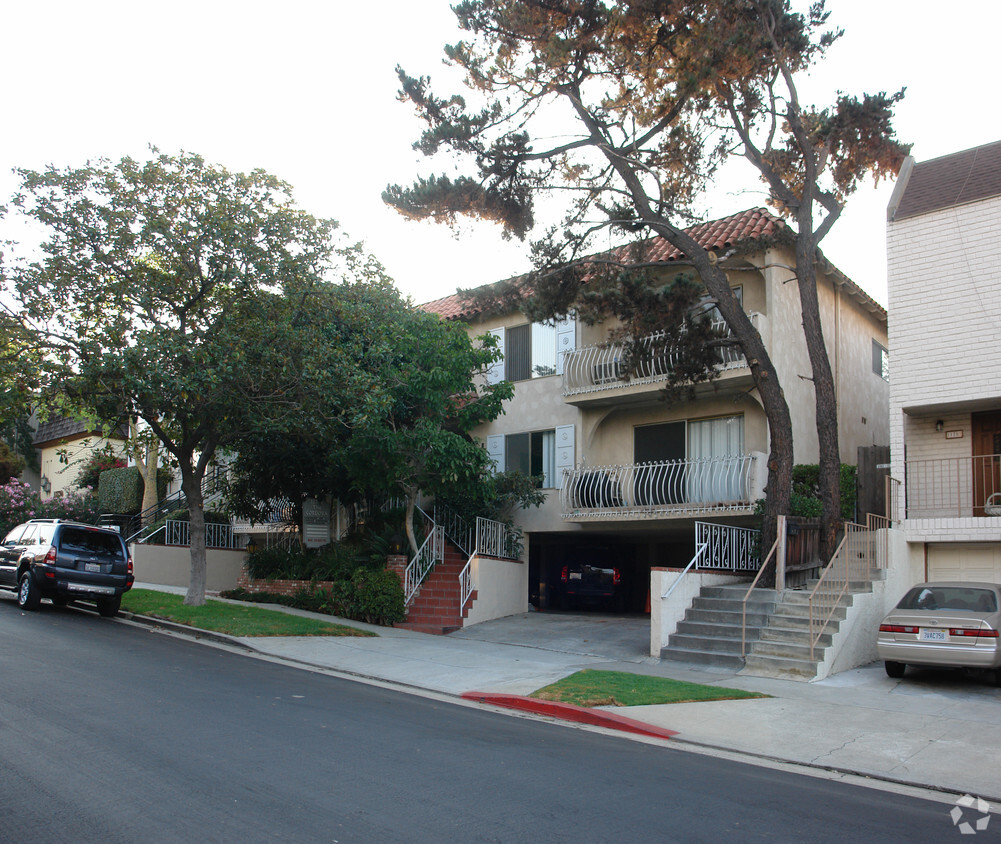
570	712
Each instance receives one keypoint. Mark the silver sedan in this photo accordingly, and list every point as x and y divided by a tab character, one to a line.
947	624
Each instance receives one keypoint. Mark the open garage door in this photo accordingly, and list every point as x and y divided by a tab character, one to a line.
965	561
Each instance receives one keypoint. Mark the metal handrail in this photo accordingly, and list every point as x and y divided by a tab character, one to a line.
852	561
466	582
747	594
431	552
698	554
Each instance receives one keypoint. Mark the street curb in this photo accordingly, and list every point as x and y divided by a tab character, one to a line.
570	712
187	629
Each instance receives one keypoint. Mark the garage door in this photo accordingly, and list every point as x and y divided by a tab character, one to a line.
971	561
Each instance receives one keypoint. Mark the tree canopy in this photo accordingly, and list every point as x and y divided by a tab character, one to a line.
626	111
392	414
166	291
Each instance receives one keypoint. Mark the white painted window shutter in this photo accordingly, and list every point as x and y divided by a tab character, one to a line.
495	374
495	448
565	454
566	339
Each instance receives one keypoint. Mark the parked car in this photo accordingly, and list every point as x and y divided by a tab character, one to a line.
66	561
586	583
948	624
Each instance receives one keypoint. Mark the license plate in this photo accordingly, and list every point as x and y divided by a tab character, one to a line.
92	567
927	635
575	575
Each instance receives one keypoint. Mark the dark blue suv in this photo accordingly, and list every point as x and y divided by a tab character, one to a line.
66	561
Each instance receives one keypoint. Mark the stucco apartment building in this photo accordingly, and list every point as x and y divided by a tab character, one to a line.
626	474
944	284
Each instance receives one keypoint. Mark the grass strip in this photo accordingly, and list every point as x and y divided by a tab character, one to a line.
619	688
232	619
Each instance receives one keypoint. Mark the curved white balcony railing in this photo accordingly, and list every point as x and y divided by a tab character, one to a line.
590	369
666	488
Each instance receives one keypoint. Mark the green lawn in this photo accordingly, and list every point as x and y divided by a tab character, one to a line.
619	688
233	619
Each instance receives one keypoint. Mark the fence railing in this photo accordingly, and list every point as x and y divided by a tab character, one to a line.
457	529
704	484
728	548
431	552
589	369
173	532
862	552
954	487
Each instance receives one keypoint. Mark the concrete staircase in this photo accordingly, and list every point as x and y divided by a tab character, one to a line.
435	608
783	648
710	632
777	633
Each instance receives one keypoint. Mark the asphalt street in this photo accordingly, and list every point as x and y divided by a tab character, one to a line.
114	733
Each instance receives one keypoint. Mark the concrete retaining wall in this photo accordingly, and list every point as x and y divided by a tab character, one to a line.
169	565
501	589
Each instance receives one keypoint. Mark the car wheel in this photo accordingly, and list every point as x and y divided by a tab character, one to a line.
28	597
894	669
108	607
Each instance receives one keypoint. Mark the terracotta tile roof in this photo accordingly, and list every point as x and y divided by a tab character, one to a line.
756	224
951	180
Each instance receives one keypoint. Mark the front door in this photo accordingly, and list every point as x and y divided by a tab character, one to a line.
986	430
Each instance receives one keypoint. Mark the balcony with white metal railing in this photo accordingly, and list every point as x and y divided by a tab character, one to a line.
664	489
953	488
598	373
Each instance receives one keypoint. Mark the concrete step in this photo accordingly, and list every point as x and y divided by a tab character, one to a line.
727	631
787	650
722	604
733	619
710	658
715	644
779	667
794	636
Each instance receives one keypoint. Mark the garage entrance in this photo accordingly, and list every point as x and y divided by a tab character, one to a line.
979	561
599	572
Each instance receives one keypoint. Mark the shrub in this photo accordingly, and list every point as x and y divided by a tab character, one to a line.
120	490
375	597
97	463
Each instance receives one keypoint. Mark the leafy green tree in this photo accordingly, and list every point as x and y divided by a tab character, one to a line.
166	291
400	394
645	101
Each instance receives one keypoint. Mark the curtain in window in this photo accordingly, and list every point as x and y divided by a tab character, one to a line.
547	457
714	479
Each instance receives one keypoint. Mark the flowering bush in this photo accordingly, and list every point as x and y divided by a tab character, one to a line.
19	503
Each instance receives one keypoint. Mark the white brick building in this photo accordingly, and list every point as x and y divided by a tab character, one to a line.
944	280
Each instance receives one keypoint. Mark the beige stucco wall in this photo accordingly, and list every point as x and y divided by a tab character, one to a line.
502	589
171	566
62	462
849	329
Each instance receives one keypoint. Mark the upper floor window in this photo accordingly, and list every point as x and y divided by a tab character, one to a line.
530	351
880	361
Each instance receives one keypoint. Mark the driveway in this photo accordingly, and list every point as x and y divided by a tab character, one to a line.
623	638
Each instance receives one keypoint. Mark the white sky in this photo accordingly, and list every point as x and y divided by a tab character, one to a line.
307	91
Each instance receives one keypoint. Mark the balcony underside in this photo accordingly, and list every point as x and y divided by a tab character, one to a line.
656	512
640	391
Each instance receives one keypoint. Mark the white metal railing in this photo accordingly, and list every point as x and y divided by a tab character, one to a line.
588	369
729	548
466	582
954	487
858	557
722	548
495	539
431	552
457	529
173	532
670	487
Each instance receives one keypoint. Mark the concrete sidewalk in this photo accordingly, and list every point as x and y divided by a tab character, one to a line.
933	729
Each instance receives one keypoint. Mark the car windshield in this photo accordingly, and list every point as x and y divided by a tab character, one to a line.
83	541
949	598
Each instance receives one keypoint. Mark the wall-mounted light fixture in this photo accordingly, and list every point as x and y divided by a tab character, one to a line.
940	426
251	546
46	484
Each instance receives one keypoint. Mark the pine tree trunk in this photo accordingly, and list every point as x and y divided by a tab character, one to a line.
825	398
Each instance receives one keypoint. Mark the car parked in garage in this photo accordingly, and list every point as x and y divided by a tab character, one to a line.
66	561
586	583
950	624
